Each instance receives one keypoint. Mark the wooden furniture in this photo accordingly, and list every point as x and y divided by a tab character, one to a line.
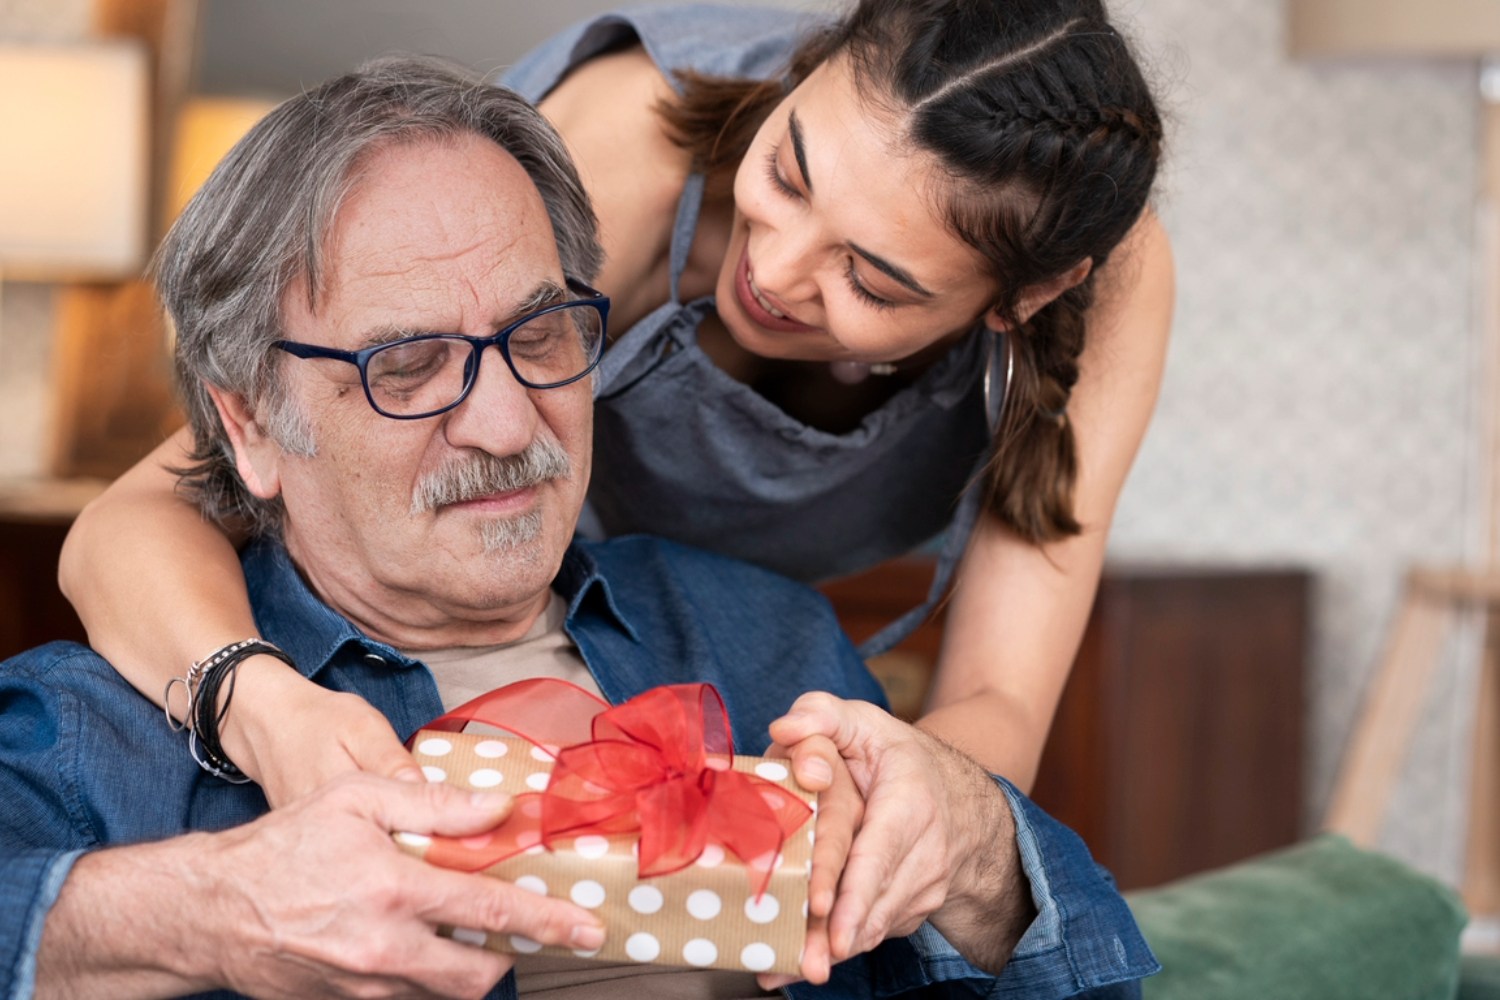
1177	745
34	518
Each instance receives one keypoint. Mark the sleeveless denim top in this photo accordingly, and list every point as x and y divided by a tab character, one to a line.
684	451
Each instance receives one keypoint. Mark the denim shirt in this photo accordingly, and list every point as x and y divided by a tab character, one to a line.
86	762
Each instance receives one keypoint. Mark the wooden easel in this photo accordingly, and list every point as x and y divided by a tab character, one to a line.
1434	602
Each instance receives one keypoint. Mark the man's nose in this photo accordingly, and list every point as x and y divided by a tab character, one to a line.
499	415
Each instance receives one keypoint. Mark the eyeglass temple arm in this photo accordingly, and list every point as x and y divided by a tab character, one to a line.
313	351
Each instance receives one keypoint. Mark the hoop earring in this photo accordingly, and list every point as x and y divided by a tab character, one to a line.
993	408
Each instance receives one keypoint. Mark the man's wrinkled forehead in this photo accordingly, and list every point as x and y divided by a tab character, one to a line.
488	254
328	245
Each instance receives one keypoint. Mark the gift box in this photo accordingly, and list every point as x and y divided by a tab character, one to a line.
720	888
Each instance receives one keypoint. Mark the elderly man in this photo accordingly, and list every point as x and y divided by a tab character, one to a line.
336	287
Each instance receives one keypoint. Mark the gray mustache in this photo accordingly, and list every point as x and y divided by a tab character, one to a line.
480	474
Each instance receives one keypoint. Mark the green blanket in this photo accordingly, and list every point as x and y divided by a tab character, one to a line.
1319	921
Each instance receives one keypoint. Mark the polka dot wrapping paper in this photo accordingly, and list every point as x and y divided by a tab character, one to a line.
705	915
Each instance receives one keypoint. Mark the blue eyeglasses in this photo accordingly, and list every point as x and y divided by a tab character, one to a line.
426	375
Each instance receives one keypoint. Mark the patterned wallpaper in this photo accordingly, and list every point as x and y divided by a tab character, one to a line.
1319	403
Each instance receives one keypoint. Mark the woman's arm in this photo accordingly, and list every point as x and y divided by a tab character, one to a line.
1018	611
158	587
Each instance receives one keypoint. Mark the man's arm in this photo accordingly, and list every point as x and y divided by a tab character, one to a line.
312	900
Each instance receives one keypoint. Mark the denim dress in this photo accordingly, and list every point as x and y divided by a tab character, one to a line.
684	451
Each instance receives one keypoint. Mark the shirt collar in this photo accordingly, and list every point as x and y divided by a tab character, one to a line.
290	615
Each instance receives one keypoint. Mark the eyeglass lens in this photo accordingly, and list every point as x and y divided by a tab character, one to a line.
424	376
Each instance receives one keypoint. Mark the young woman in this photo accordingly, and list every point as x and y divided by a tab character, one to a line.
930	214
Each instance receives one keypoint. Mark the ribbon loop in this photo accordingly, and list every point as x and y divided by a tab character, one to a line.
660	765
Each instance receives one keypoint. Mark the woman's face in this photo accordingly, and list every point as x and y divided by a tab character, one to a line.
838	249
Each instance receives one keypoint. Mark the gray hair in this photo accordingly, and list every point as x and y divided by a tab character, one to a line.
260	222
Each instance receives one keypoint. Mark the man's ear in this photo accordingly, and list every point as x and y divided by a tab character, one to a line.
1037	296
256	456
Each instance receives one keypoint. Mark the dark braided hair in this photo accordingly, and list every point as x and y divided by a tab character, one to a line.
1048	139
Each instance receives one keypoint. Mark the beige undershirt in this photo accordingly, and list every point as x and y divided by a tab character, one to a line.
465	673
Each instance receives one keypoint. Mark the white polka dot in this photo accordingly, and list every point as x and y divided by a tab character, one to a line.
526	946
414	839
635	849
642	947
812	836
804	909
541	753
434	747
712	856
704	904
486	777
490	749
585	954
469	936
591	846
700	952
767	862
538	780
532	884
645	899
536	849
757	957
435	773
763	912
716	764
587	894
771	771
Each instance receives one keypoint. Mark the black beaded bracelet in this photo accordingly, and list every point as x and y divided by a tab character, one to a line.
204	715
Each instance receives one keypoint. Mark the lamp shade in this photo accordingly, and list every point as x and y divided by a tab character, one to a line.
74	164
1433	28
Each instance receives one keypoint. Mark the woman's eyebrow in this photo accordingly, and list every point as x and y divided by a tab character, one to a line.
798	148
900	274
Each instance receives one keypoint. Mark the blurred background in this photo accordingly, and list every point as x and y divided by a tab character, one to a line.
1322	426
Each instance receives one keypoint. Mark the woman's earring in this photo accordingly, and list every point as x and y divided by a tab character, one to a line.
994	407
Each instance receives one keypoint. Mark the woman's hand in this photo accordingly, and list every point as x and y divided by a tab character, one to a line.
291	736
817	766
936	839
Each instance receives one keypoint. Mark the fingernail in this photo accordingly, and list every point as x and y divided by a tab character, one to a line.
489	801
412	774
823	904
587	937
817	769
794	716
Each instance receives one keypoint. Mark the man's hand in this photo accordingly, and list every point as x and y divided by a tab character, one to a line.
313	900
937	838
292	736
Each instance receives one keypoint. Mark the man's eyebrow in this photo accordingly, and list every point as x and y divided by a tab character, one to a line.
900	274
546	293
799	149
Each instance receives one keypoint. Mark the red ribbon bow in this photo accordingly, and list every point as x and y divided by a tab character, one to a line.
660	764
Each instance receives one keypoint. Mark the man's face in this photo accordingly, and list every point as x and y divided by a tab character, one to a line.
438	237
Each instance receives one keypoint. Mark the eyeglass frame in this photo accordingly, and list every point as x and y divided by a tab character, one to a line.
594	299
